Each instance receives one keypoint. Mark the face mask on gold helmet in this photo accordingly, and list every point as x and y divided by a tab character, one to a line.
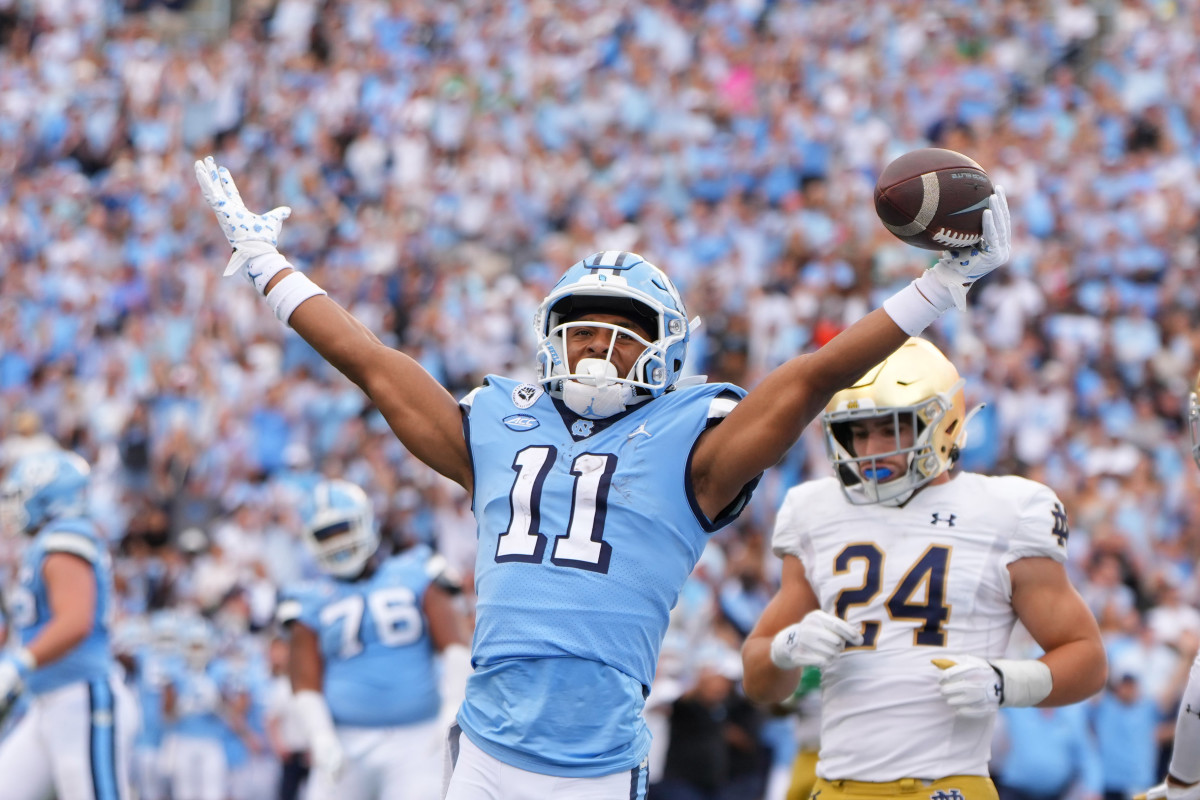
1193	416
915	386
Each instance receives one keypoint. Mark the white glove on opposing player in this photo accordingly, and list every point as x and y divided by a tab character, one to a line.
249	234
971	685
1168	791
814	641
957	270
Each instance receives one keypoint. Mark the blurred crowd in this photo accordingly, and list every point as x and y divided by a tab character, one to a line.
445	162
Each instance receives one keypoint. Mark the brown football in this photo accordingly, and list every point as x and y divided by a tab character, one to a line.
933	198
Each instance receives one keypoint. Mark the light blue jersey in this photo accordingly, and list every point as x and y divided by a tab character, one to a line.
154	671
587	531
375	644
29	604
198	702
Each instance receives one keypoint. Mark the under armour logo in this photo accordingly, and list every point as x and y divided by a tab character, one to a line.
791	638
1188	709
1060	530
938	518
946	794
641	431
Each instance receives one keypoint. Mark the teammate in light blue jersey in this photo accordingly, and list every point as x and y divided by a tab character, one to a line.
595	487
364	645
75	738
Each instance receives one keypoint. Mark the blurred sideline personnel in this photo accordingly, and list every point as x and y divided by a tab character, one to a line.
75	739
896	570
1183	773
595	488
362	656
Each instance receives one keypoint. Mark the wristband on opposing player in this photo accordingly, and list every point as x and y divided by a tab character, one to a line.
1023	681
289	293
916	306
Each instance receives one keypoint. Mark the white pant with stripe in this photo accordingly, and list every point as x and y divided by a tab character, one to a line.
73	743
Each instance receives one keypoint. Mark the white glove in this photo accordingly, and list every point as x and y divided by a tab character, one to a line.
957	270
14	670
814	641
1167	791
249	234
971	685
326	756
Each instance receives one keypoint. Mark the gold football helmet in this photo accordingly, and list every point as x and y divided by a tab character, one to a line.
915	385
1193	415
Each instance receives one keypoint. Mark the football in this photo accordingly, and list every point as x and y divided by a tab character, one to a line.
933	198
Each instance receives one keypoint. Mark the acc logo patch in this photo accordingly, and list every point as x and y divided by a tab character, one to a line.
526	395
520	422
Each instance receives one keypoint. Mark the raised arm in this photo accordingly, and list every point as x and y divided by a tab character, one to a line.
423	415
765	425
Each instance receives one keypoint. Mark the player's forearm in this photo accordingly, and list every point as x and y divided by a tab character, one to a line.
763	681
60	636
1079	670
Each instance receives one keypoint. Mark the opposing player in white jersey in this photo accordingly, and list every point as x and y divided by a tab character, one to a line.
902	581
1183	774
364	663
595	487
75	739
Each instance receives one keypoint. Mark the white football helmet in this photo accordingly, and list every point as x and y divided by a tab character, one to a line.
612	282
42	486
916	384
339	528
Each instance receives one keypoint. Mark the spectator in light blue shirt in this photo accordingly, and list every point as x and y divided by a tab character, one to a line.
1045	754
1126	721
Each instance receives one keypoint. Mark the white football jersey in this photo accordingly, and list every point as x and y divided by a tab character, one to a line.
926	580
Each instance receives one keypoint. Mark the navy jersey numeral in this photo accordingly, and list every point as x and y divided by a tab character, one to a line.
582	546
920	595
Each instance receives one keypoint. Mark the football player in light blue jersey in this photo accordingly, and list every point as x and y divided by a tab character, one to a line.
595	487
194	707
154	662
75	738
363	665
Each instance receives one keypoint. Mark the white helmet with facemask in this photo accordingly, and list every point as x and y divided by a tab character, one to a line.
921	393
625	284
339	528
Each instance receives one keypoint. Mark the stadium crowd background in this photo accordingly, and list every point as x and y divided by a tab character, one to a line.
446	161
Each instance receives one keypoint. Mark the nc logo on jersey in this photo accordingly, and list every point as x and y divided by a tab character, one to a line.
582	428
520	422
526	395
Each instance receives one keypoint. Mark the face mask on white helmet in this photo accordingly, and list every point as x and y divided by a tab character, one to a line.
340	528
624	284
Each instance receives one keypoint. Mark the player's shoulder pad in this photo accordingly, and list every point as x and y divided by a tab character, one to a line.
490	383
1040	525
65	540
802	504
292	600
442	575
725	398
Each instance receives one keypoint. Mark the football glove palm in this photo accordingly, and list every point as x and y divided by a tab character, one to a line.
249	234
958	269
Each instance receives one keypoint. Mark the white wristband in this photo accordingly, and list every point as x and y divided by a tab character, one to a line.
1027	681
263	262
314	714
289	293
912	308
